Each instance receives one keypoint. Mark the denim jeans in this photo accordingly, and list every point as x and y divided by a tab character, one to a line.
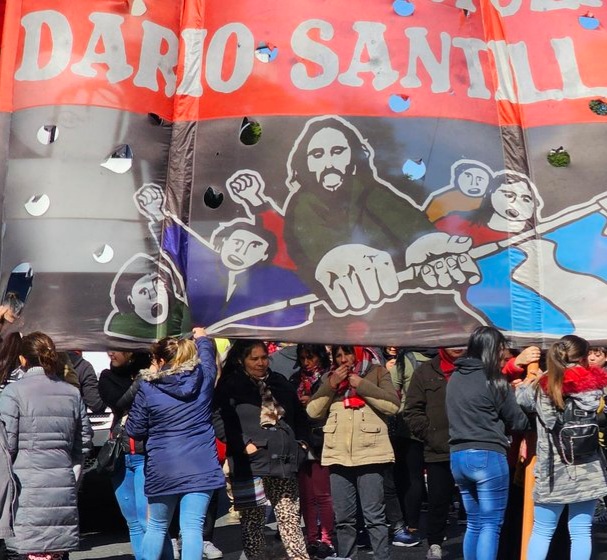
192	510
128	487
482	477
368	482
545	520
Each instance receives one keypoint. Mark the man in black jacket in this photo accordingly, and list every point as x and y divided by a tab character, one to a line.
426	416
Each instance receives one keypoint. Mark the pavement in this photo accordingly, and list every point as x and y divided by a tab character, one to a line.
104	534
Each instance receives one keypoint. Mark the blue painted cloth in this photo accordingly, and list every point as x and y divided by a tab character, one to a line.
172	412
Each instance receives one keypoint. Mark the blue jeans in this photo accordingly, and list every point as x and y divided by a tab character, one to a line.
128	488
192	510
545	520
482	477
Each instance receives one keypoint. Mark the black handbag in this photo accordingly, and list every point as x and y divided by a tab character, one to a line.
111	452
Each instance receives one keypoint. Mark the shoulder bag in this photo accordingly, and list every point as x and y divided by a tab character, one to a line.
112	450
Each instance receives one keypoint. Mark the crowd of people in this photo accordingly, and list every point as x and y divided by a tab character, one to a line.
353	440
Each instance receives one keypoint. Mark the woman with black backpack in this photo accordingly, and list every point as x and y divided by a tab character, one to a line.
570	469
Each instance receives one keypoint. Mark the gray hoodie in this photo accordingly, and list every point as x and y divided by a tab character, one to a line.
478	414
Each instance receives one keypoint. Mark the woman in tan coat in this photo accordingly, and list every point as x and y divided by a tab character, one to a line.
355	397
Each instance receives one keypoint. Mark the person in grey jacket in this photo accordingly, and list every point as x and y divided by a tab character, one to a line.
557	483
8	487
48	434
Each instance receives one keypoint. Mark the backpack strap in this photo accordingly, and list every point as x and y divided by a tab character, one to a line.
551	452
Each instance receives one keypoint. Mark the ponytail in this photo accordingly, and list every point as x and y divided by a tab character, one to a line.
39	351
568	352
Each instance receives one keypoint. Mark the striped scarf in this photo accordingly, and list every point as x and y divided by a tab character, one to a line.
307	379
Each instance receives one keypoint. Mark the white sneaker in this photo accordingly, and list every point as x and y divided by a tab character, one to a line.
435	552
176	549
211	551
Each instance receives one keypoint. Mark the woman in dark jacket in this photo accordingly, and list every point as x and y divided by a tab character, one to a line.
313	361
480	406
48	432
265	427
117	387
172	414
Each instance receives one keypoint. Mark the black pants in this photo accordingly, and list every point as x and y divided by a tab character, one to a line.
409	478
440	490
394	512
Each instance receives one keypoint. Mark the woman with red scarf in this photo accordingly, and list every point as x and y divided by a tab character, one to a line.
316	504
560	479
356	397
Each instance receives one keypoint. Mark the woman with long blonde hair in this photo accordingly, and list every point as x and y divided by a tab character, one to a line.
172	413
561	480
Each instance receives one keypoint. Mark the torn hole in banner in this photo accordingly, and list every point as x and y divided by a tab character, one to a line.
47	134
399	102
250	132
559	157
588	21
266	52
120	160
414	169
212	198
104	254
158	120
403	7
18	288
598	106
137	7
37	205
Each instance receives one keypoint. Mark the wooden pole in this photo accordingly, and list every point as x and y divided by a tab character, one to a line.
529	460
528	505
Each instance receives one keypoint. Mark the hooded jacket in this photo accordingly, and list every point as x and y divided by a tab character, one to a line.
479	415
172	413
356	437
48	433
555	481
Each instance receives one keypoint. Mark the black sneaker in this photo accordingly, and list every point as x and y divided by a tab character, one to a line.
325	550
362	539
312	549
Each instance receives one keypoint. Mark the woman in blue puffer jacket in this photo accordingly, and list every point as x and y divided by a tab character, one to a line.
172	412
